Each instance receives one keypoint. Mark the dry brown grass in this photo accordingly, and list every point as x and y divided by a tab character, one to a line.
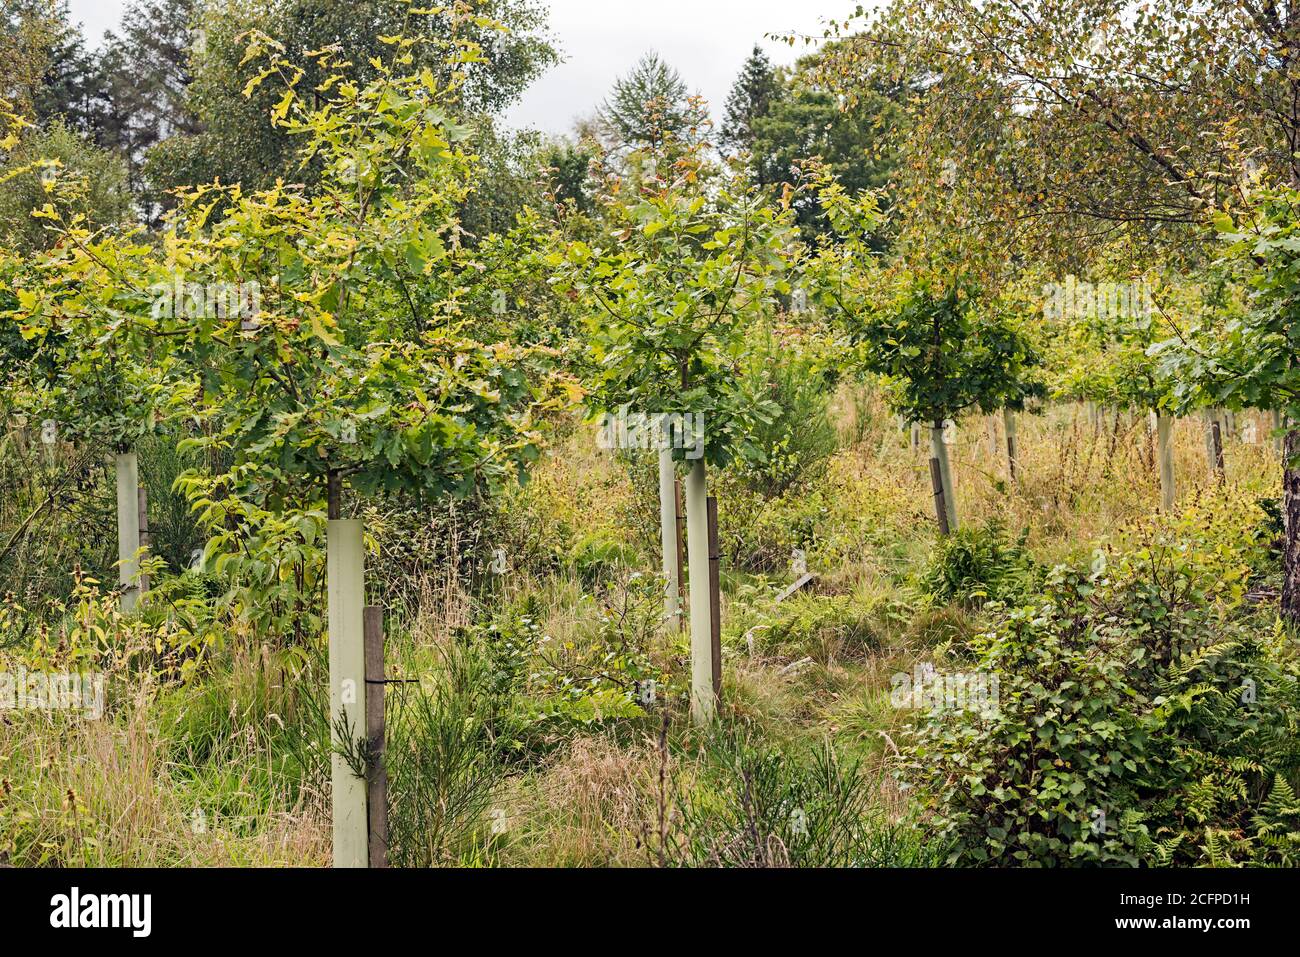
101	793
594	805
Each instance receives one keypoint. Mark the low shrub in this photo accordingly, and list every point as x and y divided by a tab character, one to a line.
1137	721
977	565
824	628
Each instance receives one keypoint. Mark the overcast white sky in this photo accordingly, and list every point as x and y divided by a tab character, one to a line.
706	40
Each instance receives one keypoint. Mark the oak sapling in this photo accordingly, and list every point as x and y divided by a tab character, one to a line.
941	346
97	359
695	256
338	392
1241	354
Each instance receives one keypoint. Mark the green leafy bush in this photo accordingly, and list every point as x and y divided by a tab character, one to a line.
612	665
1138	720
978	565
600	557
790	450
760	535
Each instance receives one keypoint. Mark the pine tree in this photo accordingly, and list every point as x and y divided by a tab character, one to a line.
650	106
146	73
752	95
71	87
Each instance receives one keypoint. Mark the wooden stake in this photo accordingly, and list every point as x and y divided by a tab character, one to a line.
1216	441
1210	457
345	573
377	786
715	598
145	539
1013	452
679	498
940	506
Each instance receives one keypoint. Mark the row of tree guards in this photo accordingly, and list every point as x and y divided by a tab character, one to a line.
688	514
356	652
1220	425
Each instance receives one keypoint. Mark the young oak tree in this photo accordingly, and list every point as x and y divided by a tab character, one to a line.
941	346
1104	356
1251	360
341	379
96	358
693	257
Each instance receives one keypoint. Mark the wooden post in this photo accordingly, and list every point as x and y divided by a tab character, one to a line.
697	564
668	537
715	599
345	572
1165	460
1210	458
1013	452
128	529
679	500
145	539
377	785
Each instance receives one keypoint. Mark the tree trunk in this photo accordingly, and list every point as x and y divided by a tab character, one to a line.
333	496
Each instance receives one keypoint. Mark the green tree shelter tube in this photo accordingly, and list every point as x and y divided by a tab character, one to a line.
128	529
345	567
703	703
668	540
